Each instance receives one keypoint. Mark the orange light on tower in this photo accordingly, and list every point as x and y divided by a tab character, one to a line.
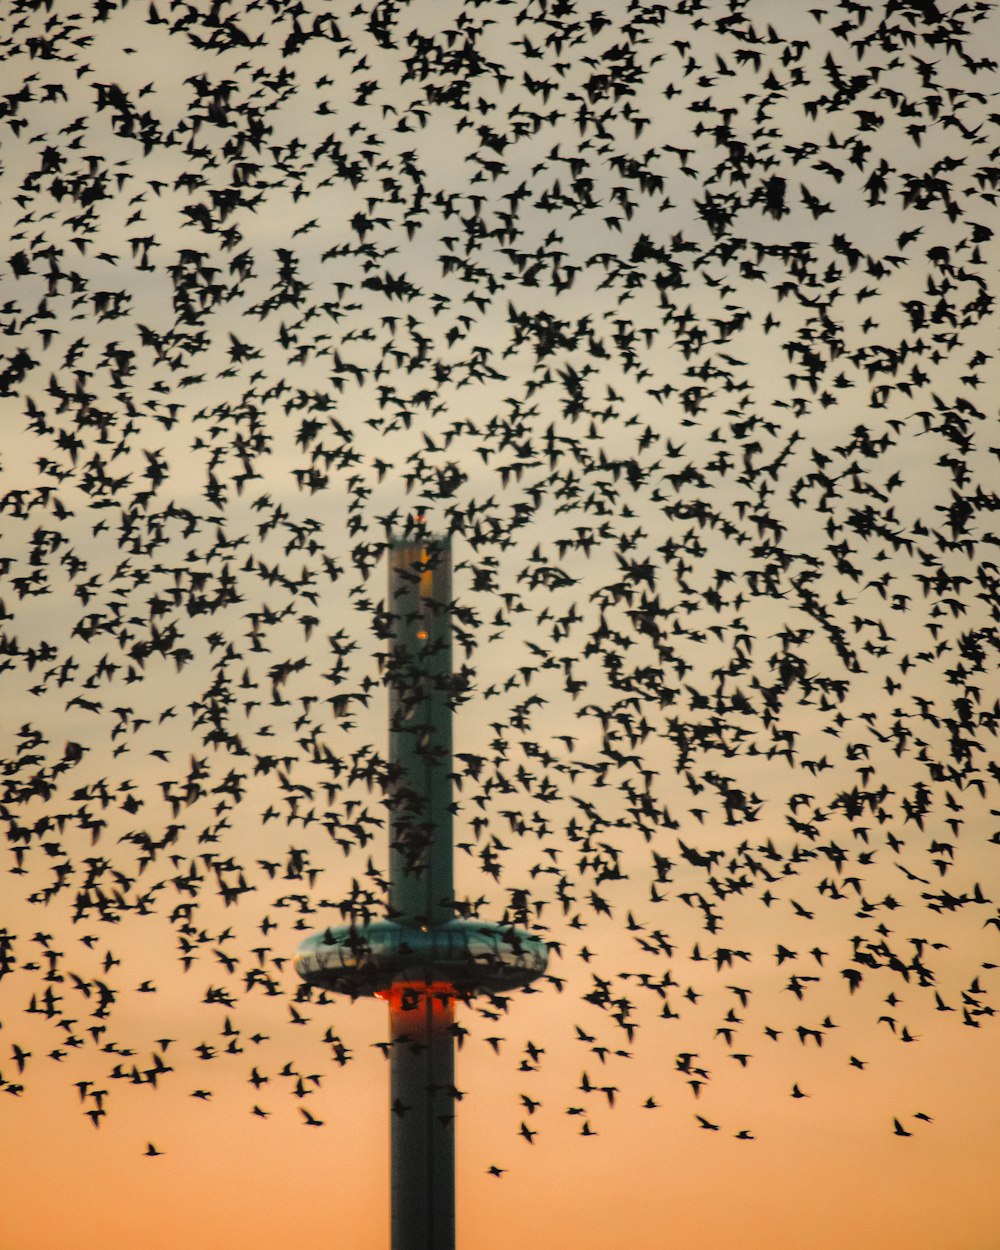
421	960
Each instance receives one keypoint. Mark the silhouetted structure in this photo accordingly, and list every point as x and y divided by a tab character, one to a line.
423	958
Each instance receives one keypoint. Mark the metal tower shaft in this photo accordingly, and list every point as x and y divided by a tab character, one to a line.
421	891
420	746
421	957
422	1120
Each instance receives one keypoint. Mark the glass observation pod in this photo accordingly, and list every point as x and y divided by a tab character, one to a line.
472	957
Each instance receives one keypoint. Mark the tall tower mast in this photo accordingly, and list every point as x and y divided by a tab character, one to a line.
421	691
422	959
421	892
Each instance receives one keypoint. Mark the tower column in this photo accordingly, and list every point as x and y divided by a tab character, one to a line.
421	687
422	1120
421	890
421	958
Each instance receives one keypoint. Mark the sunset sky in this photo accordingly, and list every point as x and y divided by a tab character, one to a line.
678	318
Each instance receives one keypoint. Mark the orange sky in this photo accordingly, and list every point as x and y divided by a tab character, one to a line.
827	1167
823	1171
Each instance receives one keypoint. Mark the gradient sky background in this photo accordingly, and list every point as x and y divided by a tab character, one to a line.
822	1170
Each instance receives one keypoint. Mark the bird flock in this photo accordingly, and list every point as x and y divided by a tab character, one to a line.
679	319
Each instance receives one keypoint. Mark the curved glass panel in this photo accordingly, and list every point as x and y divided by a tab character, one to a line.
474	957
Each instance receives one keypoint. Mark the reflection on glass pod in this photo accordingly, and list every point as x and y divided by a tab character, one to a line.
473	957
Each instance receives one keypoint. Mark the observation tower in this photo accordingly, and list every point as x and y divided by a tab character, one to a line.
423	958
